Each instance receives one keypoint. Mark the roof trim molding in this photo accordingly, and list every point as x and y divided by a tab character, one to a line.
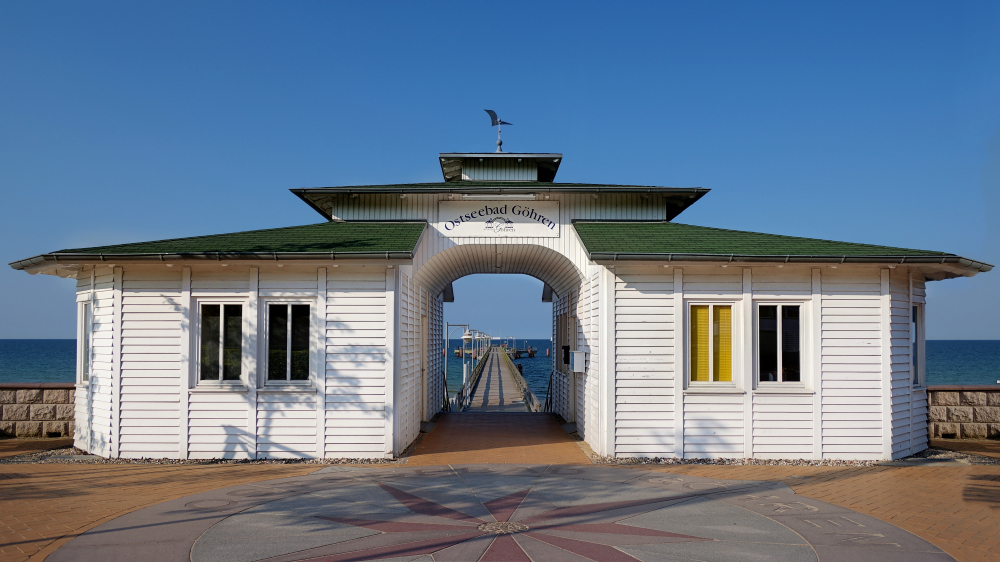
207	256
836	259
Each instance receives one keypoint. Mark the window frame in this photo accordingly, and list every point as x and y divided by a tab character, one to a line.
85	341
263	338
198	325
918	345
735	334
803	343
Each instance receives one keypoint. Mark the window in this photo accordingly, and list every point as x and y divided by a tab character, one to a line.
85	340
220	356
711	329
917	343
288	342
779	339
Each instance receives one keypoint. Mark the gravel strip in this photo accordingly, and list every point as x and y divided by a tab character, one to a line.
944	454
939	454
51	457
729	462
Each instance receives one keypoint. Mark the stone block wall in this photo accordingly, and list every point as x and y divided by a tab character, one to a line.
36	409
964	412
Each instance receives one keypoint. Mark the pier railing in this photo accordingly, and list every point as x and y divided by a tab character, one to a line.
464	393
530	400
547	407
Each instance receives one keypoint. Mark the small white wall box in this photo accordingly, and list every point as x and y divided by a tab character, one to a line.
578	361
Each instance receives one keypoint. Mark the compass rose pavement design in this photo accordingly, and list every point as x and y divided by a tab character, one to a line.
497	513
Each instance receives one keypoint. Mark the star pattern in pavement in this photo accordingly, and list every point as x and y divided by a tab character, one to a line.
523	522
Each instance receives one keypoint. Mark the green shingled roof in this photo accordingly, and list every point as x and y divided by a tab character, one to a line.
667	240
333	239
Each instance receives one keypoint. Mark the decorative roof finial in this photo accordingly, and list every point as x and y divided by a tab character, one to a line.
496	122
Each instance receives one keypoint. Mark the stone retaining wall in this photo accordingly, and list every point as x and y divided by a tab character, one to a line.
964	412
36	409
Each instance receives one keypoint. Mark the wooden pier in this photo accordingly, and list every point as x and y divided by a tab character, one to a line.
499	387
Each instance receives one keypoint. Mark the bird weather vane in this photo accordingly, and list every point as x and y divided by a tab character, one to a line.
497	122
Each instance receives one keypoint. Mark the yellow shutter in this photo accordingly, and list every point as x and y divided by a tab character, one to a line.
722	356
699	343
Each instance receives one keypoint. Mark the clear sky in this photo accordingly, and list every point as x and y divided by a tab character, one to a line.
866	122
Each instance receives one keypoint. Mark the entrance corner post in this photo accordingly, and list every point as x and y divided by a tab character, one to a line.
886	363
253	376
816	336
184	384
606	371
391	332
116	366
679	362
318	345
746	375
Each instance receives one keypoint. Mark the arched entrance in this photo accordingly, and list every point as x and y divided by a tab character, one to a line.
422	291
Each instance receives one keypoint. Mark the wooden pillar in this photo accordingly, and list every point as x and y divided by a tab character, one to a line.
886	356
680	362
318	345
185	375
391	360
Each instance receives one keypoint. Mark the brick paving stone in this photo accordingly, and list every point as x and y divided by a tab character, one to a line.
11	447
504	438
955	508
45	505
42	506
985	447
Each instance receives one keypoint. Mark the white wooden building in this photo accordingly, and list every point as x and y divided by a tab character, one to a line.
325	340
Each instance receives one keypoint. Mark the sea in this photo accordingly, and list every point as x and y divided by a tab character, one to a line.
948	362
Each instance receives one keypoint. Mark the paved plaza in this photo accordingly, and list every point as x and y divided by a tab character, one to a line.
497	512
542	500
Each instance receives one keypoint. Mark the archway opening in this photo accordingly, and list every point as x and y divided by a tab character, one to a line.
510	312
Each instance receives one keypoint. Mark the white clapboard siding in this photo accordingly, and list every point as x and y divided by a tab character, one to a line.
713	425
435	355
151	343
776	282
851	364
217	426
286	424
918	398
901	374
102	432
408	379
782	426
589	342
225	279
503	169
355	363
644	363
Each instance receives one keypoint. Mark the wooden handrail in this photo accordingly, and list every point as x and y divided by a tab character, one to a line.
527	395
465	393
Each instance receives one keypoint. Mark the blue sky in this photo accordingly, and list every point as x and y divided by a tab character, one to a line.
136	121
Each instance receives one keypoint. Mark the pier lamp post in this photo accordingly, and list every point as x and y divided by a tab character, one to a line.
466	338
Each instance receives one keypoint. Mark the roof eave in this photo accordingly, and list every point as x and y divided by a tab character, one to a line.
70	259
972	266
684	197
510	187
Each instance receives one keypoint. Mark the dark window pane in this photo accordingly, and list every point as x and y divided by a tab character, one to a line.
300	342
790	368
768	342
277	342
210	324
232	353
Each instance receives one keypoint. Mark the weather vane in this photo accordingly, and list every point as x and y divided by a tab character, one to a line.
496	123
